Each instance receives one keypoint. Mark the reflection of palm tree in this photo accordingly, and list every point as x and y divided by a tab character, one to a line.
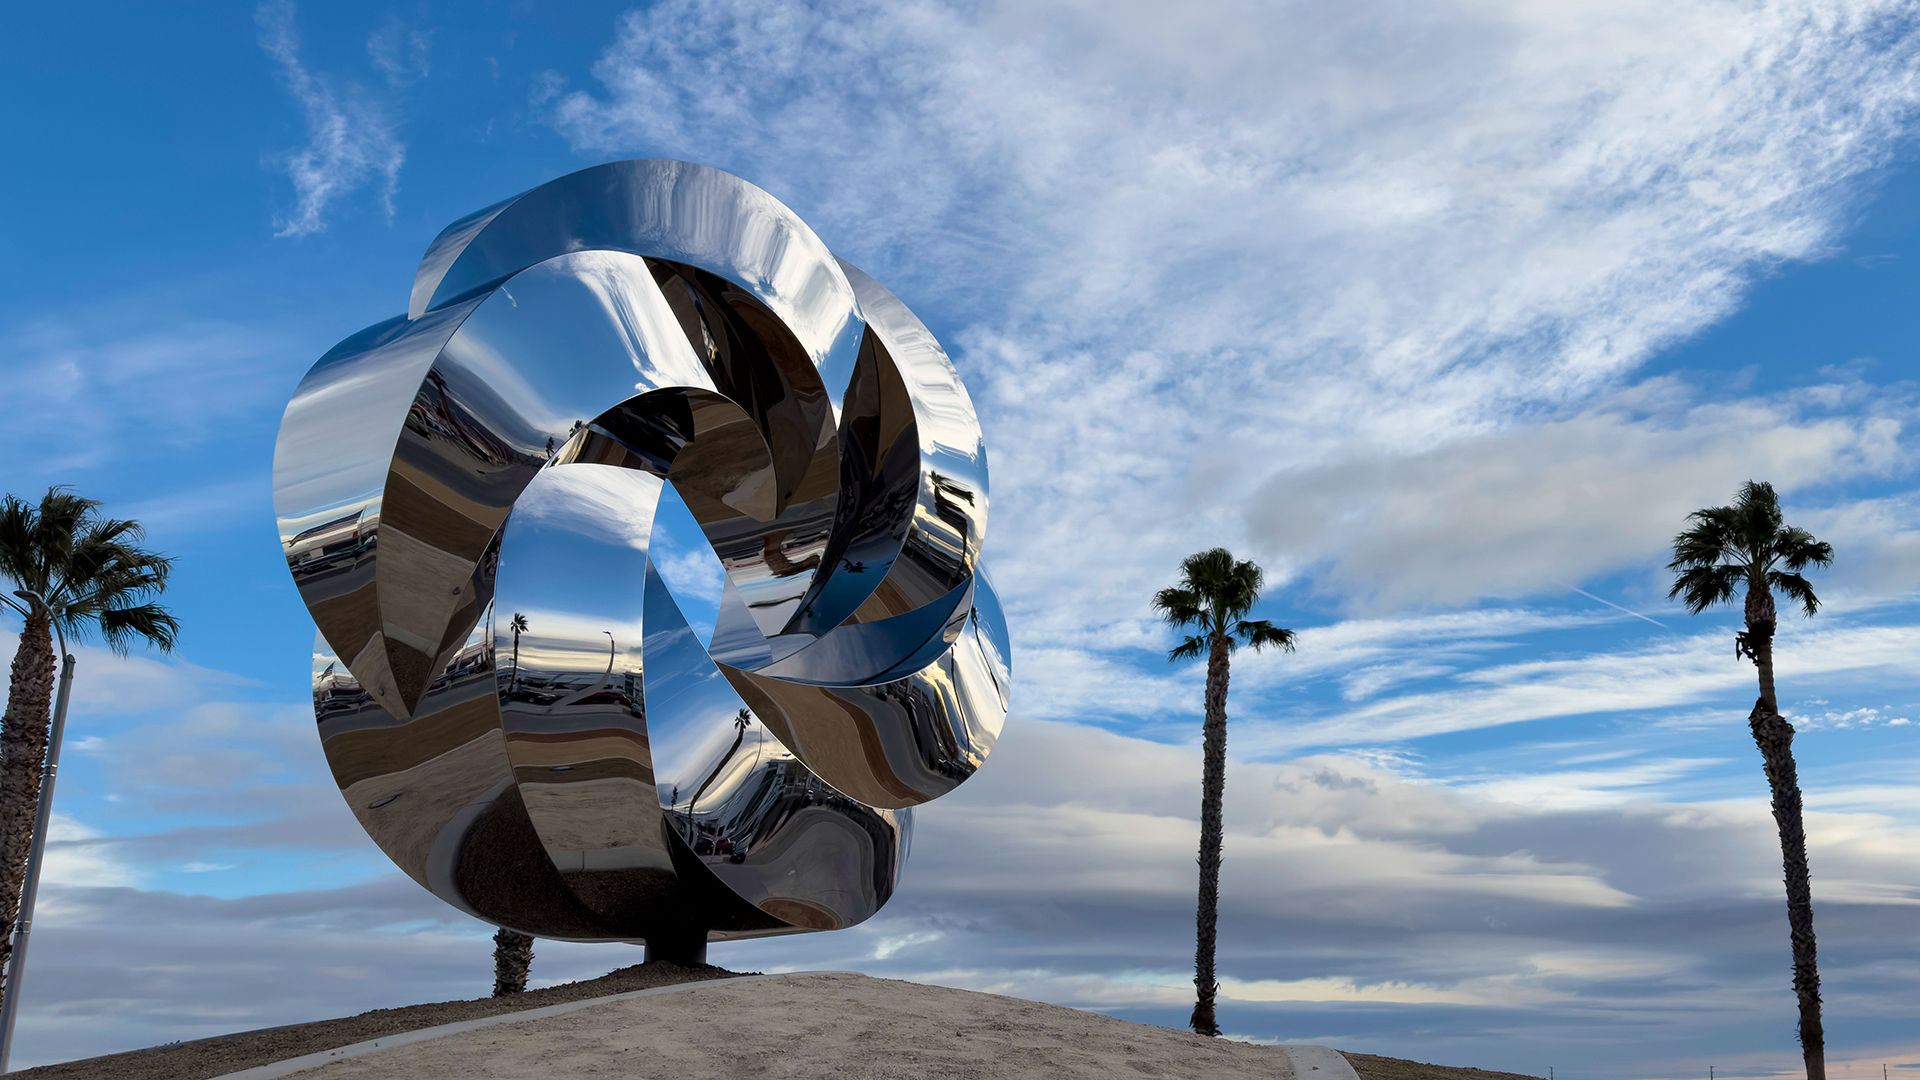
741	720
519	623
946	486
1748	544
1214	596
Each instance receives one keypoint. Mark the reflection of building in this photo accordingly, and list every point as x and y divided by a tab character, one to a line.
335	690
473	658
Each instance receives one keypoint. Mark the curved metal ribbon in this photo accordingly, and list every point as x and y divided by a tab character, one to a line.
502	448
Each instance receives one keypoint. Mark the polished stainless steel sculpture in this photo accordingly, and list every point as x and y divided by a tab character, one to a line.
595	772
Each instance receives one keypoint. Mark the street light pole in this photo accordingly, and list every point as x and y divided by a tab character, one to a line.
23	926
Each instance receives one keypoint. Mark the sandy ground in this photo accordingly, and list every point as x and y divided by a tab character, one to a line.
788	1026
808	1026
223	1054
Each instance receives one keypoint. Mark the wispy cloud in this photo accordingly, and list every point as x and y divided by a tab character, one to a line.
78	373
400	51
1669	674
1355	291
352	140
1521	510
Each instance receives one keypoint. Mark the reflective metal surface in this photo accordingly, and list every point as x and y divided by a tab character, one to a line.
510	697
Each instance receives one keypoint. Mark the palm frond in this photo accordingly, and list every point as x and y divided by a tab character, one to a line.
1758	507
1709	539
151	623
17	560
61	515
1262	634
1180	607
1189	649
1797	549
1701	587
1795	588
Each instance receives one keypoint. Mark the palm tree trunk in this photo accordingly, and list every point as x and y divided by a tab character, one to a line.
23	750
512	961
1774	736
1213	784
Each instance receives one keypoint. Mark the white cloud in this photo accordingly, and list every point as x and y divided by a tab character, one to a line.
401	52
1529	508
75	376
352	140
1376	276
75	866
1667	674
105	684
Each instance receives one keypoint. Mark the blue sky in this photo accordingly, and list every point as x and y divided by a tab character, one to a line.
1446	318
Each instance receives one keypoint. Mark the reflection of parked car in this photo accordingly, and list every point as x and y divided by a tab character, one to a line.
703	845
739	854
323	543
723	847
607	697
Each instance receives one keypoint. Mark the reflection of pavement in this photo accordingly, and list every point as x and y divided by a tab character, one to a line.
407	810
803	1027
611	823
339	577
816	863
444	699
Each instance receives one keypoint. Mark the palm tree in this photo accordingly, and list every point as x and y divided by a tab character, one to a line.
512	950
1724	548
1214	596
68	566
519	623
512	961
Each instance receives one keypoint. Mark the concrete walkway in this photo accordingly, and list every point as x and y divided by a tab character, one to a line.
341	1053
810	1026
1319	1063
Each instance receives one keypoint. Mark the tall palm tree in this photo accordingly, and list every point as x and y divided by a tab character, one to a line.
1214	596
512	961
91	577
1747	544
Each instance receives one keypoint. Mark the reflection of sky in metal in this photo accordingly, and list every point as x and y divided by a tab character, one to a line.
596	329
595	502
687	564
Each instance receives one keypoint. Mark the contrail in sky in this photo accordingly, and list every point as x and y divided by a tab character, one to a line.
1617	607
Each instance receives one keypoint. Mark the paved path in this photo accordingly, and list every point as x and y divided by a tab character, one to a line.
341	1053
815	1026
1319	1063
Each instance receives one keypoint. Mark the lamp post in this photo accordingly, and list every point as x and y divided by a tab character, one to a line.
23	926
